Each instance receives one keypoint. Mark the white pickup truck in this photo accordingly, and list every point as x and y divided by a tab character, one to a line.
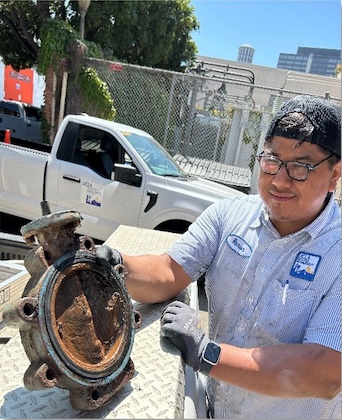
111	173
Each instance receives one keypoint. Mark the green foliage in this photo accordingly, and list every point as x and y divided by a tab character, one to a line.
93	50
147	33
56	36
96	95
19	28
57	39
45	128
139	96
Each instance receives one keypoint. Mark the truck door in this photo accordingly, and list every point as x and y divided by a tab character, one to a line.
86	181
33	123
11	119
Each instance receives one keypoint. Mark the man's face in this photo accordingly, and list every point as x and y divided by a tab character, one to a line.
292	204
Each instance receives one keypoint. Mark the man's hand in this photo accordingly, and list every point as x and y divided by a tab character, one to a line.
181	325
104	254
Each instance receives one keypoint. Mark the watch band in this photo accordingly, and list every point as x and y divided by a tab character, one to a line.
206	368
210	357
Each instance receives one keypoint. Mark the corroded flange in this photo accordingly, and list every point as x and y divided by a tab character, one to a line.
76	318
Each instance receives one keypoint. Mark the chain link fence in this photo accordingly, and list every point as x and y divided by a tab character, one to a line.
208	123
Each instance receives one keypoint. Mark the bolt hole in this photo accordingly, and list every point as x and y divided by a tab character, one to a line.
121	270
28	309
137	319
95	395
87	244
47	255
50	374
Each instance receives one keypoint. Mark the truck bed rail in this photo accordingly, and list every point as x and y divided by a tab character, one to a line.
232	176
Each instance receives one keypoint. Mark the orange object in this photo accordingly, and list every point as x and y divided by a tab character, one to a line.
18	86
7	138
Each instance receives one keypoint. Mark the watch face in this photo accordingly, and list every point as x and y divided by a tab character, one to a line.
212	353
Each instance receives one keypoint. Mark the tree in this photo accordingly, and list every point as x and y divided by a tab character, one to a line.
149	33
44	34
20	26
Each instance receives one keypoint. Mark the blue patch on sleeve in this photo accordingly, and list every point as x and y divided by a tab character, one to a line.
305	266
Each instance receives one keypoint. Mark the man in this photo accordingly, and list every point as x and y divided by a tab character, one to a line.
272	278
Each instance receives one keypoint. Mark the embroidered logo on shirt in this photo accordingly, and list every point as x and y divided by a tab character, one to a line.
239	245
305	266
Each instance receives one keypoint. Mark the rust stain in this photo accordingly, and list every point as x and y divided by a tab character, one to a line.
76	318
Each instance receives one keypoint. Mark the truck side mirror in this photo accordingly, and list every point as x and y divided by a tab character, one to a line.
127	174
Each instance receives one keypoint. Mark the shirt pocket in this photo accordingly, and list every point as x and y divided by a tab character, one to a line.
282	315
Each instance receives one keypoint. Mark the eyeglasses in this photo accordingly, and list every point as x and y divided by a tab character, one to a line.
295	170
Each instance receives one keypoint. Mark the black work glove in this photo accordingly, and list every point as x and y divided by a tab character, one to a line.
181	325
106	254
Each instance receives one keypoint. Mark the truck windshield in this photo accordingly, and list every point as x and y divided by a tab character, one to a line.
155	156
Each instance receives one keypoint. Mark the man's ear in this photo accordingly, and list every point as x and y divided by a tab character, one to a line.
335	176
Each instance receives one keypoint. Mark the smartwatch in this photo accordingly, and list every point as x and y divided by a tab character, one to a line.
210	357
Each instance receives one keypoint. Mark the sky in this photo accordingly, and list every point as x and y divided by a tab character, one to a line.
271	27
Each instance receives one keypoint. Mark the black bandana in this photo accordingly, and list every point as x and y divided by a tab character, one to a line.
323	115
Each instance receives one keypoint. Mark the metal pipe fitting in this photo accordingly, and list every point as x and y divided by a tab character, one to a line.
75	317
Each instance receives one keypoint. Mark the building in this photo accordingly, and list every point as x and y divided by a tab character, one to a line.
273	78
321	61
25	85
245	54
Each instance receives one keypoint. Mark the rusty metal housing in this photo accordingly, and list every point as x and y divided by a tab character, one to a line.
76	319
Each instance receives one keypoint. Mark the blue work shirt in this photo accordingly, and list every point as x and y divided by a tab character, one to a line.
266	290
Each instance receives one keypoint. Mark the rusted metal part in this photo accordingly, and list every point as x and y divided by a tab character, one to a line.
75	317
